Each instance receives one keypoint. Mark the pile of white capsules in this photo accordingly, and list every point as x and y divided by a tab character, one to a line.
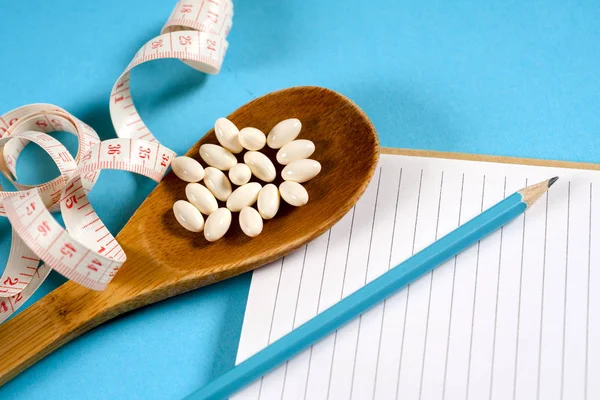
202	199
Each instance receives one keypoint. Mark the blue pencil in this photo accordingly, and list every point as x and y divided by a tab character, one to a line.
372	294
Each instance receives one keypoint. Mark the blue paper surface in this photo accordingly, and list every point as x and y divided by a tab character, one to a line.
513	78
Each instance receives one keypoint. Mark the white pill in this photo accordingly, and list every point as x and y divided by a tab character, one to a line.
217	224
240	174
188	216
201	198
301	170
260	165
217	183
251	222
217	156
293	193
227	134
244	196
268	201
252	138
283	133
187	169
295	150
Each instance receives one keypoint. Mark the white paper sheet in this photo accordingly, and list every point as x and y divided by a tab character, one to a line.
515	317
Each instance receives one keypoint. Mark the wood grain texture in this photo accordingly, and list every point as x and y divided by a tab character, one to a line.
164	260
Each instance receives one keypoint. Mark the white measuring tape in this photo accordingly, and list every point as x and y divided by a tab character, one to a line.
85	251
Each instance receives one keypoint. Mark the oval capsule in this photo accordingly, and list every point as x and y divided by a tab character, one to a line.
201	198
217	156
188	216
187	169
301	170
252	138
268	201
217	224
244	196
251	222
293	193
283	133
295	150
260	165
240	174
218	184
228	135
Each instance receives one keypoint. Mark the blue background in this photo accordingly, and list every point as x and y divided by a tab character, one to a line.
503	77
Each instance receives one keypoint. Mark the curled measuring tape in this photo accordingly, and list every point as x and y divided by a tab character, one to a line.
85	251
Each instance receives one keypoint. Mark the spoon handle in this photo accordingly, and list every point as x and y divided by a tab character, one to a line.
52	321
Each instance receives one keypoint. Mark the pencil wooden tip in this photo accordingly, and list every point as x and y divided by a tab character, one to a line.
532	193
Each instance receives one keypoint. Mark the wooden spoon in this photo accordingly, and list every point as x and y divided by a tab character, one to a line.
164	260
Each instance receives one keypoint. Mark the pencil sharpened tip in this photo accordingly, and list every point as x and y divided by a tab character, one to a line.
551	181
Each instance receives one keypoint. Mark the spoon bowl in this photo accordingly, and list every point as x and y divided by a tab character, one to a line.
164	260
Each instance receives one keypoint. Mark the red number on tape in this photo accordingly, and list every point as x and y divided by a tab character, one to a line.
165	160
68	250
18	298
114	149
9	281
71	201
89	176
42	123
185	40
44	228
30	208
3	307
214	17
211	44
94	265
157	43
144	152
186	9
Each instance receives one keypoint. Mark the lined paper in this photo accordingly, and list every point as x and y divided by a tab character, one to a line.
516	316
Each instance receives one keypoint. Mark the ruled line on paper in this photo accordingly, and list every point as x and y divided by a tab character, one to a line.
462	186
437	225
365	279
587	304
537	395
564	331
474	296
388	267
408	286
296	307
516	367
343	280
511	320
273	316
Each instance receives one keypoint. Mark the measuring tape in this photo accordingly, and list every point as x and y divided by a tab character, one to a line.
85	251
